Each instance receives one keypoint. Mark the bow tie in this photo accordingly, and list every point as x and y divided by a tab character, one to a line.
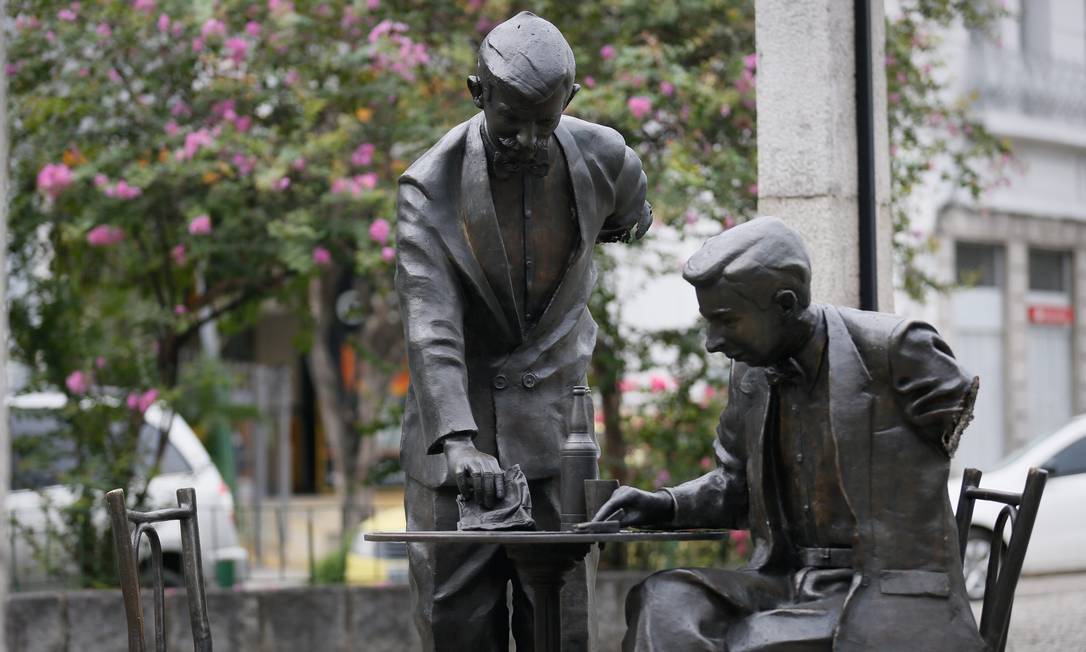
504	166
785	372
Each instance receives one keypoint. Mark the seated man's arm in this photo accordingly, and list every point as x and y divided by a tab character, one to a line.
933	391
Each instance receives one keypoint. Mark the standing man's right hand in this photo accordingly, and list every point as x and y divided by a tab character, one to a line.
478	475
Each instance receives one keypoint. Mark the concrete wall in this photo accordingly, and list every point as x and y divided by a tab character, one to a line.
326	618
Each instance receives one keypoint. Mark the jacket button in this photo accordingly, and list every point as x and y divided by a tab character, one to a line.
500	381
528	380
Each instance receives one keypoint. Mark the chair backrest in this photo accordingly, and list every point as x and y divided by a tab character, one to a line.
126	544
1005	561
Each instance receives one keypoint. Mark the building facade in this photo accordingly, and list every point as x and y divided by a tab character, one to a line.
1018	316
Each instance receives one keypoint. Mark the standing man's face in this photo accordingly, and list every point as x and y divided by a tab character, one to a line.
521	127
739	328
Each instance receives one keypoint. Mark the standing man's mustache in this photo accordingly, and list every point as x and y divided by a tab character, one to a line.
512	145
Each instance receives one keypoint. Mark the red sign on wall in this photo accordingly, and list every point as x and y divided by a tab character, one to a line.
1051	315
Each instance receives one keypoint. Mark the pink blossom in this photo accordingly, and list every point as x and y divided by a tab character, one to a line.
753	189
890	60
12	69
238	48
178	254
84	71
705	463
242	123
607	52
725	110
292	77
691	216
298	164
484	25
902	77
244	164
388	254
51	36
26	22
750	62
53	178
172	128
367	180
894	98
132	401
212	27
590	81
103	30
662	478
67	15
363	155
144	5
323	10
193	143
76	382
180	309
180	109
729	222
658	383
282	183
122	190
197	44
104	235
384	28
147	399
628	385
373	5
639	106
200	225
114	76
177	29
100	180
253	28
667	89
280	6
379	231
163	23
321	256
745	83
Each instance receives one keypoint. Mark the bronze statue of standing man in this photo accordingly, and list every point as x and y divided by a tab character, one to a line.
495	230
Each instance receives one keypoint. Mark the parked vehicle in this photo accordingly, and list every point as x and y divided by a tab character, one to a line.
184	463
378	563
1058	543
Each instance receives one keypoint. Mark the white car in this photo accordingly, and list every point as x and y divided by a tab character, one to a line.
185	463
1058	542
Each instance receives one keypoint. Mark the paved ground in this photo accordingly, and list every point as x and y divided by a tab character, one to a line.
1049	614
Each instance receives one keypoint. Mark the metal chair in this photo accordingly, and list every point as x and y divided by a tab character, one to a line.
1005	561
126	544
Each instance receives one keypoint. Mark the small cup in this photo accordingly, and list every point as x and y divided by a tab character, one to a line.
596	493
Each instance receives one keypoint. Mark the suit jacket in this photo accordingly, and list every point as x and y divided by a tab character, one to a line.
474	366
897	402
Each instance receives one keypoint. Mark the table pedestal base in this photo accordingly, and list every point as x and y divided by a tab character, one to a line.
544	569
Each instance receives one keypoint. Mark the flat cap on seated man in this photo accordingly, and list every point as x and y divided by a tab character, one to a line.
834	451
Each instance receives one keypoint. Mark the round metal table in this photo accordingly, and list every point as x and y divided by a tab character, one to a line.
544	559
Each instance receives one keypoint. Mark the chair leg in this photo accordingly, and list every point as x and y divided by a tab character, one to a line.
127	571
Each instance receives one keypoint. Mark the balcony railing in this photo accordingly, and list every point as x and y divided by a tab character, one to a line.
1012	80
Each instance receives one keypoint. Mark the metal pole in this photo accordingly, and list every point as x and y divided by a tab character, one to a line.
5	441
865	157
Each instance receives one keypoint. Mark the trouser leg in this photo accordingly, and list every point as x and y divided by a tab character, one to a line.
458	590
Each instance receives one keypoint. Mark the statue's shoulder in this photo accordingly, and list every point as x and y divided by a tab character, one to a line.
441	162
867	326
596	140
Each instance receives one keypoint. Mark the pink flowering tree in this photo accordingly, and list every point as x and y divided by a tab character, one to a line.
179	163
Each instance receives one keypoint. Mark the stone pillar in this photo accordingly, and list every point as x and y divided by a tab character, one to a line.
807	140
1016	335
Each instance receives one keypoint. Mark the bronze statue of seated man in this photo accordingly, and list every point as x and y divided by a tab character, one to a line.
834	451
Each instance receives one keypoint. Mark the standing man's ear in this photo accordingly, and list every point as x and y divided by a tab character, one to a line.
573	91
787	302
475	87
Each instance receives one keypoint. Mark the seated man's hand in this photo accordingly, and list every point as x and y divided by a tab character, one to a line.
478	475
640	507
